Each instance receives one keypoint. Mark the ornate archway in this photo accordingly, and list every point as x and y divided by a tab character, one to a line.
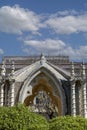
44	80
43	99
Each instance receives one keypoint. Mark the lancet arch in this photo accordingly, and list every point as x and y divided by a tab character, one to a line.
43	79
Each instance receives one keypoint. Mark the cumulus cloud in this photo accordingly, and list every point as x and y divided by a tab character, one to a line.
46	46
16	20
54	47
65	13
67	23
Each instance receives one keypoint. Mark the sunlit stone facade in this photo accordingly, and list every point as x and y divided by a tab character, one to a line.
47	84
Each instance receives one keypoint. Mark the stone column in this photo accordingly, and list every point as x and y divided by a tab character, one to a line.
12	94
2	95
12	86
73	98
80	100
2	79
84	91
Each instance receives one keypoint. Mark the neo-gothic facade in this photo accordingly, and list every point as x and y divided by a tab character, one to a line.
47	84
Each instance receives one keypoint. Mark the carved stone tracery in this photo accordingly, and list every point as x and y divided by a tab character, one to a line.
44	86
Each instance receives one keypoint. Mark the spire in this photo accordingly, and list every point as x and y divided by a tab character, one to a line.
12	91
84	89
72	70
73	97
2	80
12	69
83	69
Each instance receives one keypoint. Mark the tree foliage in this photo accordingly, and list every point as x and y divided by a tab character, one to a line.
20	118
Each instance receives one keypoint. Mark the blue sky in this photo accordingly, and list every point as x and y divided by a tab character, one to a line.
52	27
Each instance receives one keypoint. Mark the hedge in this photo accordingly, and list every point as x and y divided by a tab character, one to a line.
68	123
20	118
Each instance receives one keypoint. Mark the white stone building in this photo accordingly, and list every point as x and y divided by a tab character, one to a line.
52	84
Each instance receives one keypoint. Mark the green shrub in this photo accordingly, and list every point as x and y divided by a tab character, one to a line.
20	118
68	123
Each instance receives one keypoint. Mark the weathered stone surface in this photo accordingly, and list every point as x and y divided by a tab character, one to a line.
51	74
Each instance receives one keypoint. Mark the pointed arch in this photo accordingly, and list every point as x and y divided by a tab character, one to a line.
54	77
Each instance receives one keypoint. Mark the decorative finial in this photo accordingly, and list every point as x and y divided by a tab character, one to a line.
12	69
72	70
42	59
83	69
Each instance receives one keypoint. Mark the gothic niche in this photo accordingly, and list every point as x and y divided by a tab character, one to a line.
43	101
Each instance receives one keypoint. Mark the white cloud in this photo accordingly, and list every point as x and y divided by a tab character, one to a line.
82	52
16	20
68	23
54	47
66	12
47	46
1	51
79	54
